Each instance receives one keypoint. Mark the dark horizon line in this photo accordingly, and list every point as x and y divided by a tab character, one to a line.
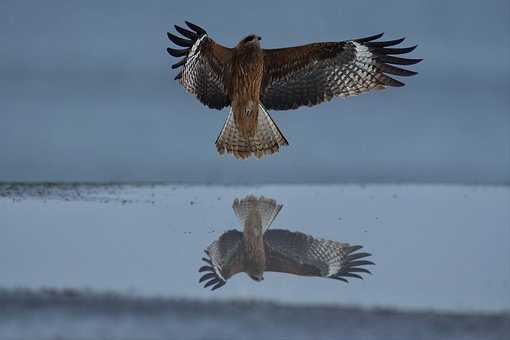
250	183
142	303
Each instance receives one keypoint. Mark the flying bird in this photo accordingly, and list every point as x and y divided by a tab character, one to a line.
252	80
256	249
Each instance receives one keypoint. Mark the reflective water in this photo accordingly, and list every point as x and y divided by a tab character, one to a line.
444	248
438	247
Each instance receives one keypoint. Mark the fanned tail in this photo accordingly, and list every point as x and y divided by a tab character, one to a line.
266	210
266	140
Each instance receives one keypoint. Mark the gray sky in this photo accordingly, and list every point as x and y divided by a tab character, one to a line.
88	94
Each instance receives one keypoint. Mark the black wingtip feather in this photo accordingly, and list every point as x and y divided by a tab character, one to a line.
385	59
196	28
211	275
187	33
393	82
384	43
352	249
357	256
207	277
205	269
212	282
351	265
177	53
218	285
179	41
179	63
370	38
352	275
359	263
386	68
401	50
192	37
397	61
359	270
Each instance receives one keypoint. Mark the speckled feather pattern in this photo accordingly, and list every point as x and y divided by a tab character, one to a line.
327	256
266	140
204	76
227	253
266	208
340	70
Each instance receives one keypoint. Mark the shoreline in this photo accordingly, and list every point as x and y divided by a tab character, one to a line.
95	300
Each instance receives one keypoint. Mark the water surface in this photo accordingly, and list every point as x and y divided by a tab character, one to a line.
435	247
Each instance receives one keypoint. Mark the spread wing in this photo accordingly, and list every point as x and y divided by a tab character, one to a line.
311	74
301	254
224	259
204	70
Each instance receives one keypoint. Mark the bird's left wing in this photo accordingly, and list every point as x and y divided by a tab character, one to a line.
314	73
301	254
225	258
205	68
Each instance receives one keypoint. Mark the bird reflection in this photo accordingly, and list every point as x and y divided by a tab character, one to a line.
256	249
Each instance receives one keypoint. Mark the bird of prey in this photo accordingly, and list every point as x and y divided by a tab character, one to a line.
256	249
252	80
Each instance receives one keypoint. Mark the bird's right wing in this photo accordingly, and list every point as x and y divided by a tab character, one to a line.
264	209
225	258
301	254
205	68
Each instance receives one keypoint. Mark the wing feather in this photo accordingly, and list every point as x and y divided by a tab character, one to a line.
301	254
205	69
314	73
225	258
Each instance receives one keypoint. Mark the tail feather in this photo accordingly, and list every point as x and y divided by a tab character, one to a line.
266	140
265	208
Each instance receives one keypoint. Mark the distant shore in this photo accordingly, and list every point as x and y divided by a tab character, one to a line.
69	313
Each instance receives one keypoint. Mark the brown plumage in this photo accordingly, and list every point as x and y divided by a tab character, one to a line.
256	249
252	80
244	87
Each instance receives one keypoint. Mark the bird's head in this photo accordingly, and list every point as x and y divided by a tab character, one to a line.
251	39
257	277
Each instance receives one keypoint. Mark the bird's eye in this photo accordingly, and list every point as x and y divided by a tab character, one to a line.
249	38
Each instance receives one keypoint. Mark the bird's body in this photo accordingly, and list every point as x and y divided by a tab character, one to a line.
244	87
256	249
252	80
255	216
253	236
